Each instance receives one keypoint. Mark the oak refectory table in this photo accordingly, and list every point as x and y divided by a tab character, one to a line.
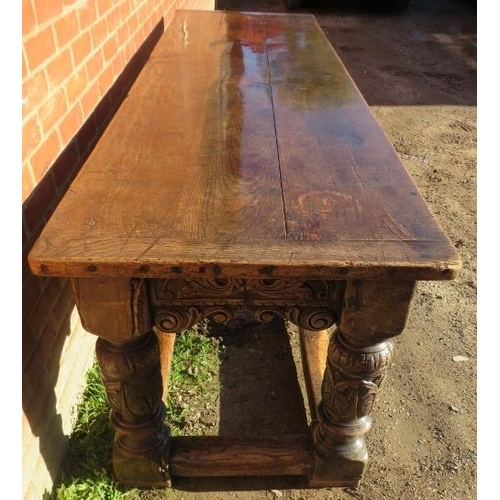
244	168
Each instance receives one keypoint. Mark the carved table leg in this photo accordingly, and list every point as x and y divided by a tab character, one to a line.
129	359
132	378
358	357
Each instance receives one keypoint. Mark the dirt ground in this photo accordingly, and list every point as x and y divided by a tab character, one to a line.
417	71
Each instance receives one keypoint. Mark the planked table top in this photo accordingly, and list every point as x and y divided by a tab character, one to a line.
244	149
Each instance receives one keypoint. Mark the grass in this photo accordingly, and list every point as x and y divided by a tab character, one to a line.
87	470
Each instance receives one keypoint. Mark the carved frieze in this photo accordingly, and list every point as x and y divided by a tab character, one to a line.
179	303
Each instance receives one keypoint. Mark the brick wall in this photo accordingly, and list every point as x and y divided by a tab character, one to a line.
79	57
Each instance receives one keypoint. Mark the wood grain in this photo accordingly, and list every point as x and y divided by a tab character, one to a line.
314	350
113	309
244	148
219	456
166	343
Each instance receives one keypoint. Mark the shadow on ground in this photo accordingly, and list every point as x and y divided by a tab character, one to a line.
260	396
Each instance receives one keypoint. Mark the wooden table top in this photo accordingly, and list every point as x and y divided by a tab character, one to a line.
244	149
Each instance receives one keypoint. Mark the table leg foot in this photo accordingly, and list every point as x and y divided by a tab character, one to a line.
342	466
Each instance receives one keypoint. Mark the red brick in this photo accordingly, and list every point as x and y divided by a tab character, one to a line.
110	48
52	349
130	49
51	432
105	80
76	85
122	34
87	13
29	343
81	48
31	136
118	63
139	38
133	23
145	30
36	389
27	393
45	155
25	269
26	234
26	430
59	69
99	32
94	66
66	28
34	91
35	207
143	12
113	19
168	16
47	9
64	306
49	349
102	113
31	291
29	20
25	67
39	47
70	124
39	316
52	110
27	181
150	23
90	99
103	7
32	468
124	8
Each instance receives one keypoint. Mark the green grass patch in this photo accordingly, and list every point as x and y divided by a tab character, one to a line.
87	471
193	381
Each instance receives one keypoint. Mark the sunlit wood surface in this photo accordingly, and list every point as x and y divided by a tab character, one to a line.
244	149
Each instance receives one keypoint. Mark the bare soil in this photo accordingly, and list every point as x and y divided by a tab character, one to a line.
417	71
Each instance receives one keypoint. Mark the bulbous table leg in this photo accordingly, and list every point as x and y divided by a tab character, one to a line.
359	355
132	378
117	311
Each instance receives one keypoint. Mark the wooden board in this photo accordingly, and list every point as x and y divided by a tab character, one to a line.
166	342
244	149
219	456
314	351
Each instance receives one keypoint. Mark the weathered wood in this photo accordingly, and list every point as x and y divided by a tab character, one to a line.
359	355
314	349
295	259
250	153
375	310
114	309
342	180
179	303
132	378
166	342
244	168
221	456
